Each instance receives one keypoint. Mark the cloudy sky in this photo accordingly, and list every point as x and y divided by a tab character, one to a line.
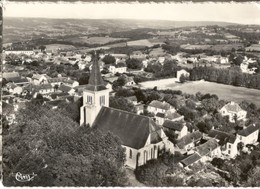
244	13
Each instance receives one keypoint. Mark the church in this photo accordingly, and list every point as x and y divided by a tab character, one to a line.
141	137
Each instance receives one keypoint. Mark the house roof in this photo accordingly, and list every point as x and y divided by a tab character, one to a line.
11	85
120	65
247	131
159	114
18	80
189	138
173	125
132	129
233	107
191	159
8	75
172	115
223	137
139	106
65	88
161	105
45	86
57	79
207	147
95	82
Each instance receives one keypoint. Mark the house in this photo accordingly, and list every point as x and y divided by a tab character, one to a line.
182	72
141	137
38	79
109	86
13	88
10	75
117	68
57	81
129	81
169	115
160	107
139	108
228	142
44	89
132	99
71	83
202	153
249	135
178	128
67	89
208	150
233	111
188	142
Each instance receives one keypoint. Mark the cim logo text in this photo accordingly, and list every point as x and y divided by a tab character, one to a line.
24	177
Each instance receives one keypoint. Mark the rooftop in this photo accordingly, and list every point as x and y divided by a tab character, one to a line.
132	129
161	105
247	131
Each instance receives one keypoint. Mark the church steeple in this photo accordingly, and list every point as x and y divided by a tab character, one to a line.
95	95
95	82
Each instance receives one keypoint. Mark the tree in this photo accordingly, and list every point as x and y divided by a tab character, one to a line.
240	146
183	78
61	153
121	104
109	59
134	63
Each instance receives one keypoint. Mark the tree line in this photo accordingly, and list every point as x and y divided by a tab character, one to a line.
225	76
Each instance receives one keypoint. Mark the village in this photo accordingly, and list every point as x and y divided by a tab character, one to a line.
111	87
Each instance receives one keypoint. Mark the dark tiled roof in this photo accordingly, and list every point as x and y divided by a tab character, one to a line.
159	114
191	159
247	131
132	129
223	137
64	88
207	147
173	125
189	138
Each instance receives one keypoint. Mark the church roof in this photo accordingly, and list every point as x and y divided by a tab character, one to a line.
95	82
132	129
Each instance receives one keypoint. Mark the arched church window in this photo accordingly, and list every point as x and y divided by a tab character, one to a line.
130	154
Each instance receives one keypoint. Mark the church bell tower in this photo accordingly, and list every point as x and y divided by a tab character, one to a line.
95	95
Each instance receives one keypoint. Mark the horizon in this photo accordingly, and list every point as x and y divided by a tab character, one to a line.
237	13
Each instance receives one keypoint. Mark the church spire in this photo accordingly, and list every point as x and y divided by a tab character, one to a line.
95	82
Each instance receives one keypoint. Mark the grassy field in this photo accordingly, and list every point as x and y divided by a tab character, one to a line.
225	92
95	40
59	46
142	42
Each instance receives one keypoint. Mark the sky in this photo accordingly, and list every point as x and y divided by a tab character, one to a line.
243	13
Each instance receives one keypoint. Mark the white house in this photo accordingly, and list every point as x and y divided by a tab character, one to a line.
227	141
117	68
233	111
160	107
248	135
182	72
39	79
171	115
14	89
178	128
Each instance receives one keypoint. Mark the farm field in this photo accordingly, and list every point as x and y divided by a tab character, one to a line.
225	92
254	47
142	42
59	46
95	40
